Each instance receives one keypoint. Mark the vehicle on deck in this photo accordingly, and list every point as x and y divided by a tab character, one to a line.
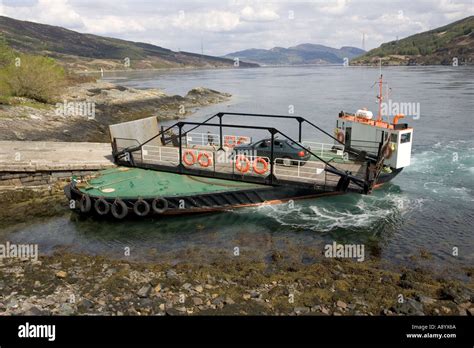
287	150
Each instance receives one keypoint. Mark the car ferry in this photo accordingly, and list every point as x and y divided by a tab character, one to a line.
196	167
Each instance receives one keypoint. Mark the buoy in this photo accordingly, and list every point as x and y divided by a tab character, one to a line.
186	158
159	205
262	170
119	209
141	207
387	151
102	207
205	163
229	140
238	164
241	140
340	137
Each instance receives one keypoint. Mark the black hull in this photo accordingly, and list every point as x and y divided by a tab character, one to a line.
217	201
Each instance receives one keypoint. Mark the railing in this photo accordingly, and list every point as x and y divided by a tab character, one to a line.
211	139
365	145
325	150
159	154
186	128
298	169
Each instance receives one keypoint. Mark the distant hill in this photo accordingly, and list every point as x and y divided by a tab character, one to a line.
87	51
301	54
433	47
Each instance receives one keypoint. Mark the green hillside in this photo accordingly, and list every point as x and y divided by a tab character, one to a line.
87	51
433	47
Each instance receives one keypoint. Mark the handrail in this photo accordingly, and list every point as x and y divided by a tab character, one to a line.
272	130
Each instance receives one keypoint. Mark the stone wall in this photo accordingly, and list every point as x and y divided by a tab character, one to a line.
22	179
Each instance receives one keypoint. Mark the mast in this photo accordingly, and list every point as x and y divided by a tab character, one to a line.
380	96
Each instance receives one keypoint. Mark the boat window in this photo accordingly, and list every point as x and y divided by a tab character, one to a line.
394	138
405	138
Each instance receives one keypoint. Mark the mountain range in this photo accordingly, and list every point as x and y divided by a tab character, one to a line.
301	54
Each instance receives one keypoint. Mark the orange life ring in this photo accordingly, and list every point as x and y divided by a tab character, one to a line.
387	151
185	157
241	140
238	163
227	140
340	137
208	161
265	166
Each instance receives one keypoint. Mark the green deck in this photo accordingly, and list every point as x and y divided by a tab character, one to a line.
137	182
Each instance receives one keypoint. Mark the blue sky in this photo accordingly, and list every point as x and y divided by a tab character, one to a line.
230	25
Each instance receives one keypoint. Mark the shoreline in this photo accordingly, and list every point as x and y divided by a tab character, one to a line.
105	104
76	284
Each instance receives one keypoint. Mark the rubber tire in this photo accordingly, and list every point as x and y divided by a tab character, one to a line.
158	210
119	203
97	206
85	204
137	205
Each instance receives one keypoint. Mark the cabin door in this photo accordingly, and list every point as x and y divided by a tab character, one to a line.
348	137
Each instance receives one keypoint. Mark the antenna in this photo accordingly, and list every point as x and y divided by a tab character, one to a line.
363	41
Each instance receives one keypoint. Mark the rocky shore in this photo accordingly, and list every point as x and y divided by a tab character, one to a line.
69	284
25	119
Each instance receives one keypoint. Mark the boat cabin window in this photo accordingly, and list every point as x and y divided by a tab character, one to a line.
394	138
405	138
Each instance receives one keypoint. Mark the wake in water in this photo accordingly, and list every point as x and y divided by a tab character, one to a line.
442	173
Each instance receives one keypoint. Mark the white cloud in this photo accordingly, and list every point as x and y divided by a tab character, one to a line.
211	21
225	26
112	24
263	15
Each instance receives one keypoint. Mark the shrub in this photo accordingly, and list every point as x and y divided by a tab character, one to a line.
36	77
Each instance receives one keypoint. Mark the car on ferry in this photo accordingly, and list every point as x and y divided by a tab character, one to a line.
285	151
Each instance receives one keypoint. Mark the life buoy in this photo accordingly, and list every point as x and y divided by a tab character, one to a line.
205	163
141	207
340	136
241	140
85	204
159	205
262	170
387	151
229	140
102	207
186	159
238	164
119	209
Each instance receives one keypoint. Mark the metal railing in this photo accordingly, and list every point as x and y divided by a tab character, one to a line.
325	150
298	169
157	154
344	176
212	139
